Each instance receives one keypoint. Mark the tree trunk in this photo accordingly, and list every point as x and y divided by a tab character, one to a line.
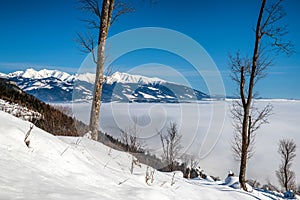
247	104
286	173
243	165
107	7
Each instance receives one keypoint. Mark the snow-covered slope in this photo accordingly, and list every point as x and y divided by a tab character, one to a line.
195	120
2	75
78	168
87	77
19	111
57	86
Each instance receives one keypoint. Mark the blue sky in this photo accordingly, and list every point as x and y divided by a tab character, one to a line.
41	34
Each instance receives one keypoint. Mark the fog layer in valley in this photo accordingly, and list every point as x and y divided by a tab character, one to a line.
206	129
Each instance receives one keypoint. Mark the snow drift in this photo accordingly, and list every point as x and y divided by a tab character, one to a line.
78	168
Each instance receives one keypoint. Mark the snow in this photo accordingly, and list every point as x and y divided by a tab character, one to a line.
168	96
19	111
194	121
190	96
119	77
87	77
31	73
54	73
78	168
233	182
42	86
210	179
15	74
80	87
31	80
44	73
129	96
148	96
2	75
152	88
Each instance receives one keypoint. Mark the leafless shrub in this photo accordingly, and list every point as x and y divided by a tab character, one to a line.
287	151
134	162
171	145
27	139
173	179
149	175
130	137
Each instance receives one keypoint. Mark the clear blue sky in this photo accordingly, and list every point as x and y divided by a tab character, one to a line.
39	33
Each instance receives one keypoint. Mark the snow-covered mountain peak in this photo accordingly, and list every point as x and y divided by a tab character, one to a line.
87	77
117	77
121	77
2	75
15	74
44	73
31	73
54	73
54	85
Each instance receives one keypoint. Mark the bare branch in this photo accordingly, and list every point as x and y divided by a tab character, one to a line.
121	8
91	24
90	6
88	44
260	117
242	87
269	27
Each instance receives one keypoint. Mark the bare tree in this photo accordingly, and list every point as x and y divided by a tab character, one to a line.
171	145
100	20
130	137
247	72
256	118
287	151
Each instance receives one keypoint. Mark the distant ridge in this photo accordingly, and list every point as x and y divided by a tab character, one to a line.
57	86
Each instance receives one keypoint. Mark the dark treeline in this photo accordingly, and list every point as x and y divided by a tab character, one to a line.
53	120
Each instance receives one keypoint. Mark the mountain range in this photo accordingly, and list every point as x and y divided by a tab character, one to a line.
58	86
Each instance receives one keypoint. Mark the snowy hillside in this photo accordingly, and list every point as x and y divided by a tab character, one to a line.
57	86
195	120
78	168
19	111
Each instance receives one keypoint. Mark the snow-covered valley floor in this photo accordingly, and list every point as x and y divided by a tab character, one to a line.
78	168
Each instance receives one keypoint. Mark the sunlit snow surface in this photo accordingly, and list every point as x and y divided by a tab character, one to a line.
196	122
78	168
